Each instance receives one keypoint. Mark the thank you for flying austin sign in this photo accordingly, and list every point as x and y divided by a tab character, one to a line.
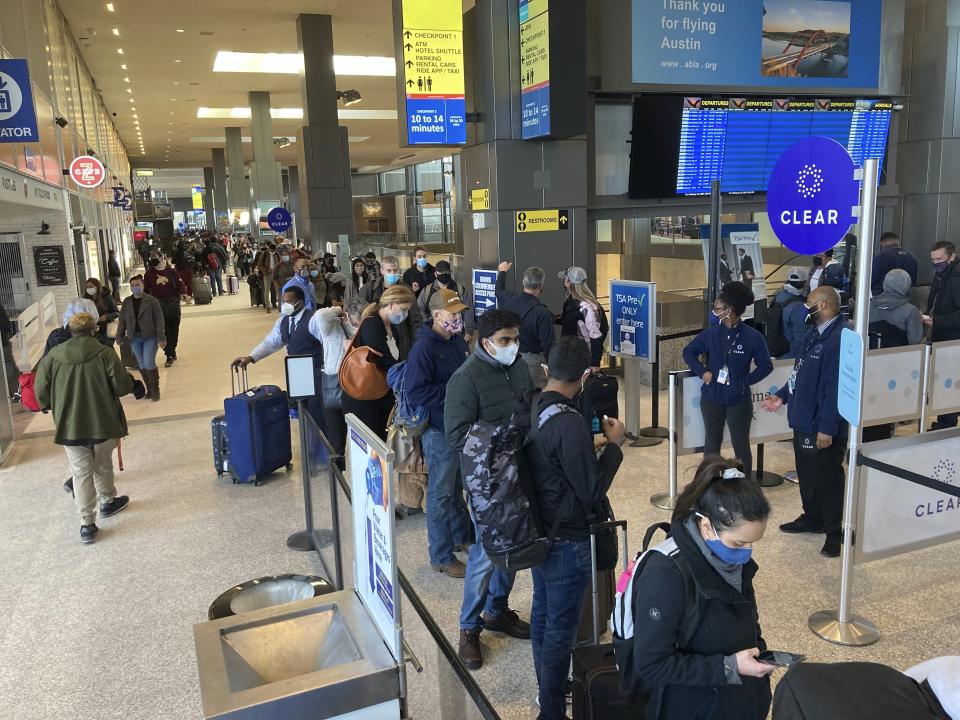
812	195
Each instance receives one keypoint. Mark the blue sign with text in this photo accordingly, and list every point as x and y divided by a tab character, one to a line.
812	195
18	118
436	121
633	319
535	112
782	43
484	291
850	384
279	220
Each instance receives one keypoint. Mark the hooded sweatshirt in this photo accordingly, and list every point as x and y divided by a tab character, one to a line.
895	307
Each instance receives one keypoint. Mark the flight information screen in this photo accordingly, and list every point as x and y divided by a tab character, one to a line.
739	140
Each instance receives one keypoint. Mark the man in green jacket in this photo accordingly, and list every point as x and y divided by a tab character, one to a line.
486	388
81	382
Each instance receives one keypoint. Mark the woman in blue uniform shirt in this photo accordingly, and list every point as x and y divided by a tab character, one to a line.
736	358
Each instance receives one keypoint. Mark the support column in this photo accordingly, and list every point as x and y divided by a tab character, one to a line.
265	174
238	190
208	183
293	200
929	151
221	207
520	175
326	205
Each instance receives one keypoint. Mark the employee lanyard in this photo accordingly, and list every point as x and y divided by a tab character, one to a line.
731	344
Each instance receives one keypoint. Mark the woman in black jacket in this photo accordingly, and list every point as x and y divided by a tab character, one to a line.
713	675
378	331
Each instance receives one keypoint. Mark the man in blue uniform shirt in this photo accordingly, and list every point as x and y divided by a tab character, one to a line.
819	432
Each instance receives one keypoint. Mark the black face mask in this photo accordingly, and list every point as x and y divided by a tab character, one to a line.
154	262
444	278
811	314
817	262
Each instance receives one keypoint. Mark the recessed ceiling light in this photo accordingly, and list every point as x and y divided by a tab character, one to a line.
134	116
131	99
123	66
292	64
171	112
176	82
172	99
176	61
119	51
109	7
180	30
116	31
129	90
126	79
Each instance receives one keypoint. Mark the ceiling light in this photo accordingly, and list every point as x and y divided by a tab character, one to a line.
134	116
131	99
171	112
116	31
292	64
126	79
119	51
291	114
109	7
123	66
176	82
176	61
129	90
180	30
172	99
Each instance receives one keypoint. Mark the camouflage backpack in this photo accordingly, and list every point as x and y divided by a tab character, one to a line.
505	508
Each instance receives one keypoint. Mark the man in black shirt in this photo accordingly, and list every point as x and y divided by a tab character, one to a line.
421	274
536	321
746	268
943	307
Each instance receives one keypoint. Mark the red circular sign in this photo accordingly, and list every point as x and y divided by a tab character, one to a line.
87	171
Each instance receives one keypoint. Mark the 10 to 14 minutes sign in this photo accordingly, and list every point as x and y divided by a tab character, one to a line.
433	72
87	171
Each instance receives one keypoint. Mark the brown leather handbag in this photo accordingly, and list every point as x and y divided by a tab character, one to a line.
360	377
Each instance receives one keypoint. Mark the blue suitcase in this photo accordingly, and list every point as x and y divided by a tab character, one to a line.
258	428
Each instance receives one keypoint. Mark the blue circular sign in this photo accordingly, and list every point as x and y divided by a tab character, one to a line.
812	194
279	219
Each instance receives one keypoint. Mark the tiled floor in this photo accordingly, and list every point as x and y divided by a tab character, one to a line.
105	631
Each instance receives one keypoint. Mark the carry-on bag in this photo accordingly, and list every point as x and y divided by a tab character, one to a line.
221	445
596	680
127	357
258	427
233	284
202	292
598	397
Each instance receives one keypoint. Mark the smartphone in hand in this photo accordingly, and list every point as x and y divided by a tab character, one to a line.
780	658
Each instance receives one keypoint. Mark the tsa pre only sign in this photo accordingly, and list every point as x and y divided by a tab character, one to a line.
18	119
633	319
432	41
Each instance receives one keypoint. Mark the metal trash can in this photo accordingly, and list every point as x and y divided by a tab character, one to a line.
267	592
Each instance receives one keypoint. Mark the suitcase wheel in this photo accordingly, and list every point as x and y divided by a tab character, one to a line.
289	467
256	483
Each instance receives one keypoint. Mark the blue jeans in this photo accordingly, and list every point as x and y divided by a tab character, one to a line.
559	583
448	524
486	589
145	350
216	281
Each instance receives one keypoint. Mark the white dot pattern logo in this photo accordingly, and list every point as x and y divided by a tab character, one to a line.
945	471
809	181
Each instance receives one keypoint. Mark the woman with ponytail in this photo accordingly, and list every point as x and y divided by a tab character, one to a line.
696	631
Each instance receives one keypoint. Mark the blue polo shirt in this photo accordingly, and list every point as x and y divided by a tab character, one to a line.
737	348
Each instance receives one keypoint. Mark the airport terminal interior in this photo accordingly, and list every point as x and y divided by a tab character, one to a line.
743	207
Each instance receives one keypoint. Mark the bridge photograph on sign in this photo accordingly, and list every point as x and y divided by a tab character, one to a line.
805	38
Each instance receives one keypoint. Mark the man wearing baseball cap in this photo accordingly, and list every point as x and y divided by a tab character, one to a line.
792	326
444	279
437	353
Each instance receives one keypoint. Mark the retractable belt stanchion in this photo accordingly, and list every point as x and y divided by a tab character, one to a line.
631	375
654	429
668	500
841	626
765	478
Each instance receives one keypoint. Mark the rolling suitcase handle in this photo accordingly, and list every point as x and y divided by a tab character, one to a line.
622	524
239	383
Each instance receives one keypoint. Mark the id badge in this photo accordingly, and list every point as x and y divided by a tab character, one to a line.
723	377
792	382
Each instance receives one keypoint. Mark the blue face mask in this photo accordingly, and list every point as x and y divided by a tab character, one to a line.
729	555
391	279
421	262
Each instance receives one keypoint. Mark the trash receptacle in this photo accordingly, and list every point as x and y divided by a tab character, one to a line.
266	592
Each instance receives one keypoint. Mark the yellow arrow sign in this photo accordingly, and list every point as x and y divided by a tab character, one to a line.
542	220
480	199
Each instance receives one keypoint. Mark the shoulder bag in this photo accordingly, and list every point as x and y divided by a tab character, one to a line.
360	377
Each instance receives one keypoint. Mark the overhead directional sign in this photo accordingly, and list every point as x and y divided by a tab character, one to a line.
534	68
432	40
484	291
18	118
542	220
196	195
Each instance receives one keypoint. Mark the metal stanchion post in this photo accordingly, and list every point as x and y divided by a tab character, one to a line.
669	500
631	374
843	627
927	352
765	478
654	430
303	540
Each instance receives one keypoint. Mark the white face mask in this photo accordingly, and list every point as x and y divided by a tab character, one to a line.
92	291
286	309
504	355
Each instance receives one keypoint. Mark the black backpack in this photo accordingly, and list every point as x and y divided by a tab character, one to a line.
884	334
598	398
776	338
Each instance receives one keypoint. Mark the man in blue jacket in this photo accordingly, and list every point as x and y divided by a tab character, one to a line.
819	432
439	350
891	257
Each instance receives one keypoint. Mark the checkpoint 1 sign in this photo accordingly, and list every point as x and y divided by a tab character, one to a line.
278	219
633	319
484	291
812	195
433	77
18	119
87	172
